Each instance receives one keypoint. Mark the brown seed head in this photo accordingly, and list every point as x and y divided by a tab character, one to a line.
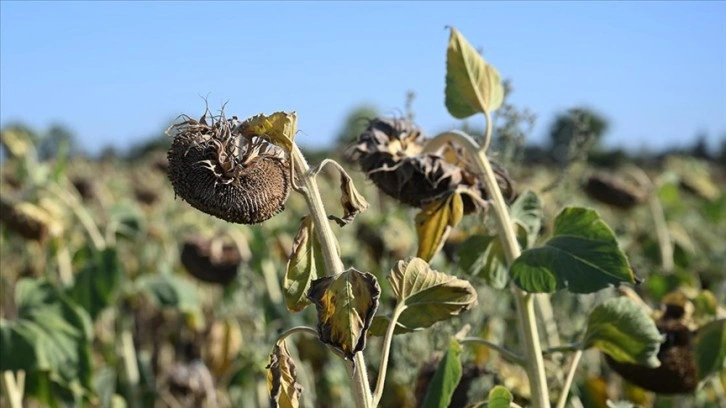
212	261
221	172
614	191
390	152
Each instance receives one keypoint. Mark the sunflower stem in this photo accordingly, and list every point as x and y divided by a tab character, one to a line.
534	363
304	177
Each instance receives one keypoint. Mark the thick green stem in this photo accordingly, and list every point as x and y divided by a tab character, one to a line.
306	184
524	301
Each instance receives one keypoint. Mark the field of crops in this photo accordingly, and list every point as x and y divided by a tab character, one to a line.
117	292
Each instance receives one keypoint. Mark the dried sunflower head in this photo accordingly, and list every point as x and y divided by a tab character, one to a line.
614	191
677	373
220	171
390	151
212	261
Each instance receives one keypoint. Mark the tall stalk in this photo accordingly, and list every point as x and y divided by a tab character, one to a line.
305	184
534	363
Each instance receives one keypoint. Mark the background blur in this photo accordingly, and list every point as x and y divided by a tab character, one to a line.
115	74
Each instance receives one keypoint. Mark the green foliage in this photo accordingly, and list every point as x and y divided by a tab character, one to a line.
623	330
50	340
445	379
710	347
499	397
582	256
97	285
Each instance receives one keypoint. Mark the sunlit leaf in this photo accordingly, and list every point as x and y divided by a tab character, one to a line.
483	256
282	383
346	304
582	256
445	379
710	348
97	285
622	329
526	211
434	223
279	128
301	267
379	326
500	397
472	85
167	290
428	296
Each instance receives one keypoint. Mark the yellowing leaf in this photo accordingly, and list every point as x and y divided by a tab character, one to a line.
301	268
282	383
279	128
346	304
428	296
434	223
351	200
472	85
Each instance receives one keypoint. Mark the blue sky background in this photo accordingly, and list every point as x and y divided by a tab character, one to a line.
118	72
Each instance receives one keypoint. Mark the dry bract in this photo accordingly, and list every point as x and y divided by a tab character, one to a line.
219	171
390	151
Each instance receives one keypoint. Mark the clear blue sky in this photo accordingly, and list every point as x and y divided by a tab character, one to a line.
115	73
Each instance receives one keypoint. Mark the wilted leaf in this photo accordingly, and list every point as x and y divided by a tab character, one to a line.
710	348
352	201
346	304
50	339
445	379
582	256
428	296
282	379
434	223
526	211
98	283
483	256
622	329
500	397
472	85
279	128
301	267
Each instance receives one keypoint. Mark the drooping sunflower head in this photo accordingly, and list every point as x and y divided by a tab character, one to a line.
391	153
220	171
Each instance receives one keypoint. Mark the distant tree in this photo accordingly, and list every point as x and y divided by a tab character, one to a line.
574	133
57	138
700	147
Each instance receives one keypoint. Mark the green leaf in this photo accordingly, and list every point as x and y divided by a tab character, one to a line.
50	339
380	325
526	211
500	397
582	256
710	348
428	296
434	223
97	285
301	267
167	290
282	384
346	304
445	379
622	329
472	85
483	256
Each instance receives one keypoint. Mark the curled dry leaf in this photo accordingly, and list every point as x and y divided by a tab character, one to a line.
352	201
301	268
346	304
389	151
282	382
233	175
434	223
